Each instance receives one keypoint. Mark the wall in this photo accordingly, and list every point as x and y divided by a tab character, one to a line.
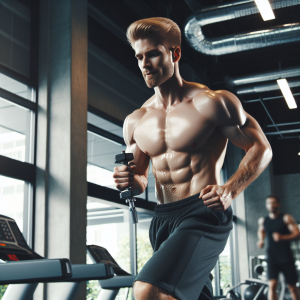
287	188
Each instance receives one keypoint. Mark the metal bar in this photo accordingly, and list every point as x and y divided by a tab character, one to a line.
15	75
17	169
262	103
17	99
282	132
284	124
267	98
106	134
217	278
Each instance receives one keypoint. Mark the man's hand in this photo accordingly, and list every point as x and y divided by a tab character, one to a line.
214	197
276	237
124	176
260	244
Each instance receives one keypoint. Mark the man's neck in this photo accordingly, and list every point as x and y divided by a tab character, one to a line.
274	215
170	92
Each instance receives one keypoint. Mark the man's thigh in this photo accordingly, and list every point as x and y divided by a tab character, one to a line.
273	270
290	273
183	262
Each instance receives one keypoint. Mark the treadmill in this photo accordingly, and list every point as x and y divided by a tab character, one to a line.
110	287
24	268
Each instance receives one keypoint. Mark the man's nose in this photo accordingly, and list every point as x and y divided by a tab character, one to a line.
145	63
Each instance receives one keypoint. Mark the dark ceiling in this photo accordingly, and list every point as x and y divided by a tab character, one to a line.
216	68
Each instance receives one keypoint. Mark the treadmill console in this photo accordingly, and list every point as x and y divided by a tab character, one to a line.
101	255
13	246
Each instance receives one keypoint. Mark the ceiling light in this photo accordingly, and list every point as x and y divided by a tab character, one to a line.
287	94
298	153
265	9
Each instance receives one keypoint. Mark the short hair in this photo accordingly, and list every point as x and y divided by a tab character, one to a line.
163	29
274	196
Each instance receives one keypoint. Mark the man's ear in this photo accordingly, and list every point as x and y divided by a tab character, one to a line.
176	54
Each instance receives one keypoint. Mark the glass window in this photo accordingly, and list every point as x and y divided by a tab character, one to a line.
15	27
101	153
108	226
15	131
14	196
101	160
104	124
144	248
225	268
16	87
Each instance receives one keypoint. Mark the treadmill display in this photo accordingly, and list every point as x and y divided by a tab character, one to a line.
5	233
101	255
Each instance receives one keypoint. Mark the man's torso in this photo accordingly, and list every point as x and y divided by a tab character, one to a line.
186	148
277	252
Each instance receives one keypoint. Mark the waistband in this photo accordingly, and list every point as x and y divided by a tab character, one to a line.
170	208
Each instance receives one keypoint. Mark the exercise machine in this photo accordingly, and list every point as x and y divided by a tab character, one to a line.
24	268
110	287
257	288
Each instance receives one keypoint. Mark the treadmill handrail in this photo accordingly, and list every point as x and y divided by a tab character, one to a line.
117	282
84	272
41	270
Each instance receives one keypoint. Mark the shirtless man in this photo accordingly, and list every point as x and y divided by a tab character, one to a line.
184	128
279	229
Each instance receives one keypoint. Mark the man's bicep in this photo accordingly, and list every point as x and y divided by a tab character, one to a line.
291	224
244	136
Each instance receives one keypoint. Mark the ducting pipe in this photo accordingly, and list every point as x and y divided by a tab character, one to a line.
267	76
245	41
265	87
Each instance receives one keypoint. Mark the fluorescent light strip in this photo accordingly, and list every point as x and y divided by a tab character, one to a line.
265	9
287	94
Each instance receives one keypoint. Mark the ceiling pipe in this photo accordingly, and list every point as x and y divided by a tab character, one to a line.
265	87
267	98
267	76
239	42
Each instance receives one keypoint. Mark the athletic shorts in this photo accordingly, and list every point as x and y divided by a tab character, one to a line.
187	239
288	269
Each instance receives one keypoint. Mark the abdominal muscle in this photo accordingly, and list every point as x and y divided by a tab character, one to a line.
181	175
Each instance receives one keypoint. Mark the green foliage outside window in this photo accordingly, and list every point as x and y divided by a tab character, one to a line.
2	290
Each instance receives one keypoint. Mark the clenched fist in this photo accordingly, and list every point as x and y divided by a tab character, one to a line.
214	197
124	176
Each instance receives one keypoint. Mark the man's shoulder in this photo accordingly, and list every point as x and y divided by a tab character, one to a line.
218	97
224	106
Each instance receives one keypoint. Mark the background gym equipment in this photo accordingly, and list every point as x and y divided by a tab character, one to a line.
258	289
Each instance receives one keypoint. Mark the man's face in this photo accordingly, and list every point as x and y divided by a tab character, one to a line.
272	205
154	60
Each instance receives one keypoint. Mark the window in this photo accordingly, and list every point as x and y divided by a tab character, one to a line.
16	126
108	226
14	202
15	35
144	248
16	87
105	140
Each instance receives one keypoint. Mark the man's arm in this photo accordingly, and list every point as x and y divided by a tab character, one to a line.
293	228
134	175
261	233
244	131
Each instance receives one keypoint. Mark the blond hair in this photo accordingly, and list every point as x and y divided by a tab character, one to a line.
165	30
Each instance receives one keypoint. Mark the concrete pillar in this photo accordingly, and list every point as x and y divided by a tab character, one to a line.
255	196
234	156
61	187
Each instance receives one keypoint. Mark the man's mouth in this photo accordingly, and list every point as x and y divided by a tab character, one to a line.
150	74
